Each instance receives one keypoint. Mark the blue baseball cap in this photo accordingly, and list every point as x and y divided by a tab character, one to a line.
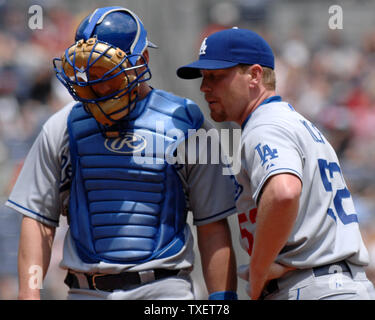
228	48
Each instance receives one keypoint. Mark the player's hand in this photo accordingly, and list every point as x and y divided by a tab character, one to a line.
275	271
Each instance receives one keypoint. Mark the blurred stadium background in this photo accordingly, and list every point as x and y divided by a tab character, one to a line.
327	75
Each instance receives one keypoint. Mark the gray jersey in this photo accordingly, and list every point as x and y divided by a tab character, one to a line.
42	192
277	139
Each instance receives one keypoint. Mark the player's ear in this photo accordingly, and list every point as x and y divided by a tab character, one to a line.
143	60
256	73
146	56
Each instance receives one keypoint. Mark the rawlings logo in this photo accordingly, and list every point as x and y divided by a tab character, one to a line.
128	144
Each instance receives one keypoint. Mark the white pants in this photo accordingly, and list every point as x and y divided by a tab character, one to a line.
172	288
304	285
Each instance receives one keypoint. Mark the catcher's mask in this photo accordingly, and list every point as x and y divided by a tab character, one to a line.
112	41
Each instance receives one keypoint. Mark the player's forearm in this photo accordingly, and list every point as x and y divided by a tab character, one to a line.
277	212
220	271
33	257
217	256
272	237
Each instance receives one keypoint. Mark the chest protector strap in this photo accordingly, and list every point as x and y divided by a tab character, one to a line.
122	210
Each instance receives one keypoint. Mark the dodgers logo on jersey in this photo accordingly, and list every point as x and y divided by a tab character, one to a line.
266	153
128	144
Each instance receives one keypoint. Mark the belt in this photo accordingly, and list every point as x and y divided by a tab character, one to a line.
119	281
340	266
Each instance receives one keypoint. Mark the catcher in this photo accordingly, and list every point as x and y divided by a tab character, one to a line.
126	204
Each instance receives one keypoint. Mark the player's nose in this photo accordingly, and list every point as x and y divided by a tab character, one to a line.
204	86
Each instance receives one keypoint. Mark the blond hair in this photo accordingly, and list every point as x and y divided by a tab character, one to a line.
268	77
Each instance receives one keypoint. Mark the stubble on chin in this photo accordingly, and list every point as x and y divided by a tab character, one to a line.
219	117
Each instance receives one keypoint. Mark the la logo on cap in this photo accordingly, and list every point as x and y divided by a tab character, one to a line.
203	48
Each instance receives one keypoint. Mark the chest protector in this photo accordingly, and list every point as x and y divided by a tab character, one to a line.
127	204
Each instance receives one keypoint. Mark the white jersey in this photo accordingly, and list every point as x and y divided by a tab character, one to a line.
277	139
42	192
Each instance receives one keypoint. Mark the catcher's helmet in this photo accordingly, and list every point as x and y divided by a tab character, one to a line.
111	39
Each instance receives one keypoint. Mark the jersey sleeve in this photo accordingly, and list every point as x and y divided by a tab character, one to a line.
210	189
269	150
36	192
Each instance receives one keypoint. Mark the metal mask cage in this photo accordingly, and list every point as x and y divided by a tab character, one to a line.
69	81
81	76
